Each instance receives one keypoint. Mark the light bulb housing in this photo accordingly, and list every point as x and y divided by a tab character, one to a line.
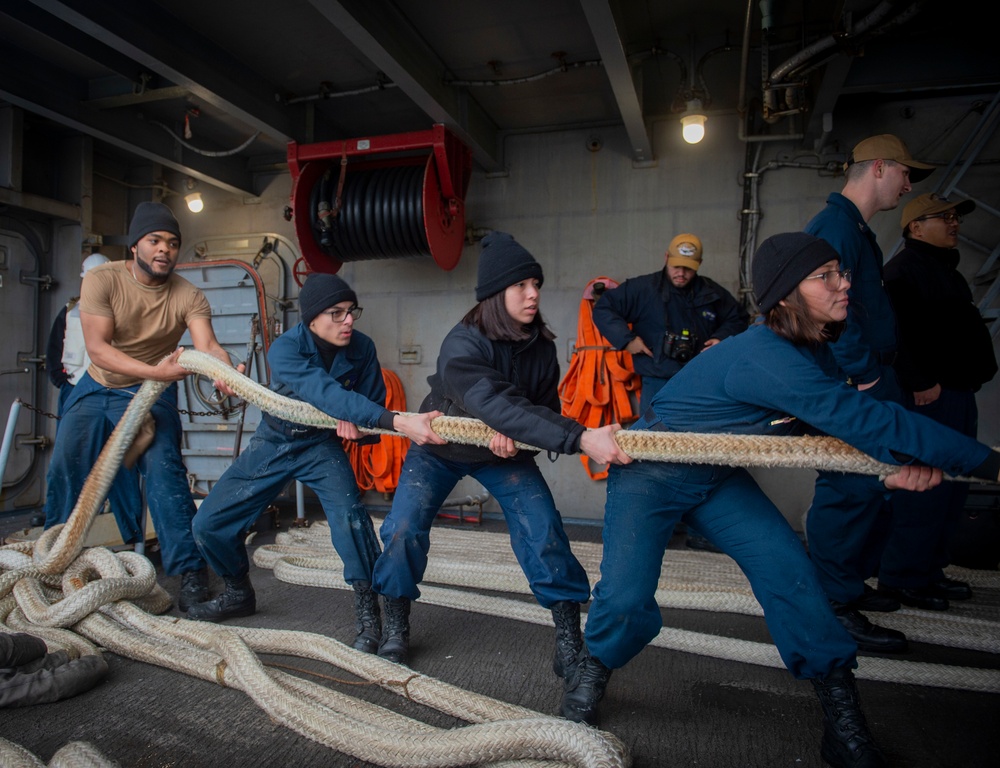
693	122
194	202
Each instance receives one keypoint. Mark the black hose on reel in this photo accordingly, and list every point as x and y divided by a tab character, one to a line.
381	214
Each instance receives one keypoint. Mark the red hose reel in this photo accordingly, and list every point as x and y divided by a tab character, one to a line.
380	197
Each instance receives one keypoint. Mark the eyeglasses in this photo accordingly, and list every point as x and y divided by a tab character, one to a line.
950	217
832	279
339	314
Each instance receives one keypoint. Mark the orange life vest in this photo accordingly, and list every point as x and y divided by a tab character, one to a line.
377	466
597	389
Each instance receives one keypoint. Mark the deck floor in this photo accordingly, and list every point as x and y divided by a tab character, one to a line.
669	707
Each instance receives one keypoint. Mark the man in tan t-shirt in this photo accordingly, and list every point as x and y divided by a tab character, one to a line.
133	315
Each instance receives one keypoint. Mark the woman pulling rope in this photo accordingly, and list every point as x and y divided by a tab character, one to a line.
778	377
498	365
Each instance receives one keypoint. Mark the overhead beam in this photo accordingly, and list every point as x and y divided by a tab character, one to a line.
39	204
830	88
181	55
604	28
384	38
36	86
57	30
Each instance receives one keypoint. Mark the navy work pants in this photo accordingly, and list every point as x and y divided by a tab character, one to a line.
646	499
849	520
92	413
536	530
271	460
923	523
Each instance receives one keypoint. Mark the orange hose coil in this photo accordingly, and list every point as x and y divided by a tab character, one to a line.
596	389
377	466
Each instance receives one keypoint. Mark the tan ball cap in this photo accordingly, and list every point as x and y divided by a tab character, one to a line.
931	203
685	251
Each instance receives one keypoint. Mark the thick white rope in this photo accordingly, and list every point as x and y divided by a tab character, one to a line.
689	580
47	612
76	754
50	586
685	447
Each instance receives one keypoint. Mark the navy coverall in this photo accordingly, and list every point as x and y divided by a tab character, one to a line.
351	389
848	522
755	383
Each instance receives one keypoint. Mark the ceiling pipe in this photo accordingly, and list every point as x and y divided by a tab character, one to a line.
742	107
805	55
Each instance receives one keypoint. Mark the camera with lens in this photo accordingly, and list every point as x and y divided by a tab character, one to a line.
680	346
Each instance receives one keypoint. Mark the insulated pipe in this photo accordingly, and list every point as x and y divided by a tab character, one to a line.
742	103
779	74
8	436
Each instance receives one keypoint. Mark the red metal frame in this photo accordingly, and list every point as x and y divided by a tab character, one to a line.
446	182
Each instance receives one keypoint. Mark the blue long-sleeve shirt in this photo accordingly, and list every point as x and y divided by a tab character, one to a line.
352	389
870	331
758	383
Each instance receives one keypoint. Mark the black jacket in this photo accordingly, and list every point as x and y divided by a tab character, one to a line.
649	305
942	337
54	351
511	386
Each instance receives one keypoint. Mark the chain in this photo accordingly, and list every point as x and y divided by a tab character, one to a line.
223	412
39	411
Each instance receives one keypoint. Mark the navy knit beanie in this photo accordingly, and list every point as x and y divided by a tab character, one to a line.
503	262
320	292
784	261
152	217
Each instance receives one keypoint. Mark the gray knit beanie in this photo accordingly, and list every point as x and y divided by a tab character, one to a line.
783	261
152	217
320	292
503	262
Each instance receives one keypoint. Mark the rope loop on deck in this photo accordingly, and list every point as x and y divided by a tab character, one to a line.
80	600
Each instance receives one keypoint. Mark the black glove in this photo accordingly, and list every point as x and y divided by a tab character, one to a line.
29	675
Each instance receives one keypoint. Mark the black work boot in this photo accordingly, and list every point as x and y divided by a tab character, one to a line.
569	642
368	618
395	645
868	636
847	742
584	690
237	600
194	589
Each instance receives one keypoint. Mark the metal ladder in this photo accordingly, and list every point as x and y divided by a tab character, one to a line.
989	272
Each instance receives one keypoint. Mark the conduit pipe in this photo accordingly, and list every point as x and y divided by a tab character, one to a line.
8	436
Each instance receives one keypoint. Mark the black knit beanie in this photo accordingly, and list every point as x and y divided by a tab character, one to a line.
783	261
152	217
321	292
503	262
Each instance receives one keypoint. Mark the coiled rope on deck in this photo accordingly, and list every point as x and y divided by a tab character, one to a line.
54	571
76	754
479	560
51	586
